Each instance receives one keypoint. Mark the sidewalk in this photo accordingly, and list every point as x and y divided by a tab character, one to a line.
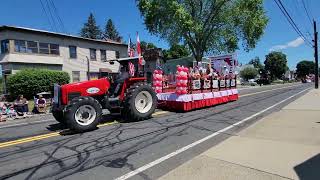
283	145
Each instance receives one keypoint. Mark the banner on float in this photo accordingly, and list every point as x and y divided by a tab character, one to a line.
224	64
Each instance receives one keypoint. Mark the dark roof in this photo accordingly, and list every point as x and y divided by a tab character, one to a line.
24	29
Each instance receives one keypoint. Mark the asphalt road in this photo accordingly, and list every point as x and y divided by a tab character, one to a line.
139	150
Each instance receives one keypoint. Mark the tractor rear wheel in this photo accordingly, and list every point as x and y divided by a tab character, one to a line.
140	102
83	114
58	115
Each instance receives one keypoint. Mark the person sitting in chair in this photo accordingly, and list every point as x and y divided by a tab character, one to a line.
122	76
41	104
21	106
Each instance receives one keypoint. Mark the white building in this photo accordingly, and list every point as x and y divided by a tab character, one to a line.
23	48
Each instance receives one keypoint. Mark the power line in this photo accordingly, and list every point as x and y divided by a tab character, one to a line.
304	6
297	9
47	16
58	17
291	22
50	13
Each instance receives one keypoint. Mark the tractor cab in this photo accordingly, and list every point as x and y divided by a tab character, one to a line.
129	73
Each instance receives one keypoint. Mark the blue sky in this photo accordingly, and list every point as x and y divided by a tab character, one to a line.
278	34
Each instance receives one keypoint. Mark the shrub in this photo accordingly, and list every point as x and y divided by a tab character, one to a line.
29	82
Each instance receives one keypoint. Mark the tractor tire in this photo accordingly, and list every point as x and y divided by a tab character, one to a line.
83	114
140	102
58	115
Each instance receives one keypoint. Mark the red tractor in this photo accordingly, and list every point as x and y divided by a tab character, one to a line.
79	105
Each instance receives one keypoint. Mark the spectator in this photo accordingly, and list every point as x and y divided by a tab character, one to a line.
41	104
3	106
11	112
21	106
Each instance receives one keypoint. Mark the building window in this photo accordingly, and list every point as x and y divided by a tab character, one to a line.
20	46
117	54
35	47
54	49
44	48
32	47
103	55
73	52
4	46
93	55
75	76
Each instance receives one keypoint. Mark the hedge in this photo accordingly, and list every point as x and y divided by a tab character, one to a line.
29	82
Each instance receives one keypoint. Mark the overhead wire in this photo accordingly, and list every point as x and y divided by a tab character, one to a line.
299	12
304	6
47	16
51	15
291	22
55	10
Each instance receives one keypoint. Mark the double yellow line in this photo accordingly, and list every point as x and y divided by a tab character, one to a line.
29	139
54	134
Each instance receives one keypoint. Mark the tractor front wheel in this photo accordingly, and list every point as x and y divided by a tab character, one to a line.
140	102
83	114
58	115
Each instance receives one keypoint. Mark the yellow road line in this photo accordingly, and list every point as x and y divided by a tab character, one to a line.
159	113
108	123
54	134
45	136
29	139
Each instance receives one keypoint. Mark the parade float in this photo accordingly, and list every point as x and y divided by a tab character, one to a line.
197	87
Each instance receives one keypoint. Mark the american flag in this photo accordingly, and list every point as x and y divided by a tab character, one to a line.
139	49
130	48
131	69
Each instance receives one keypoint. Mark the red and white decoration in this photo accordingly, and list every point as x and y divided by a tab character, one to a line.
187	102
182	80
130	48
157	81
139	50
131	69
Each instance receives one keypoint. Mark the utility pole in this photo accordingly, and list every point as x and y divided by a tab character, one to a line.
88	68
316	78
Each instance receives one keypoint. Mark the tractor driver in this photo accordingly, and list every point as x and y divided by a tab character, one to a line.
122	76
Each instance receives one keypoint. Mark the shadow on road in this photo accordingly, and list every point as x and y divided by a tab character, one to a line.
309	169
60	126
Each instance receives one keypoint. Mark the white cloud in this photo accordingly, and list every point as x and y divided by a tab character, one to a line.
292	44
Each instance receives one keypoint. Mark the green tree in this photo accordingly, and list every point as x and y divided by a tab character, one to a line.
176	51
110	32
206	25
248	73
146	45
276	64
256	63
305	68
90	29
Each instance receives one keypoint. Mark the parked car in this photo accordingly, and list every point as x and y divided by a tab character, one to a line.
252	82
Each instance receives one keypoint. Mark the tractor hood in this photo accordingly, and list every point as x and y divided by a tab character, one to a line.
86	88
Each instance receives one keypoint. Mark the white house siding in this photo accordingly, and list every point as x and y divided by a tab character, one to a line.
68	65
